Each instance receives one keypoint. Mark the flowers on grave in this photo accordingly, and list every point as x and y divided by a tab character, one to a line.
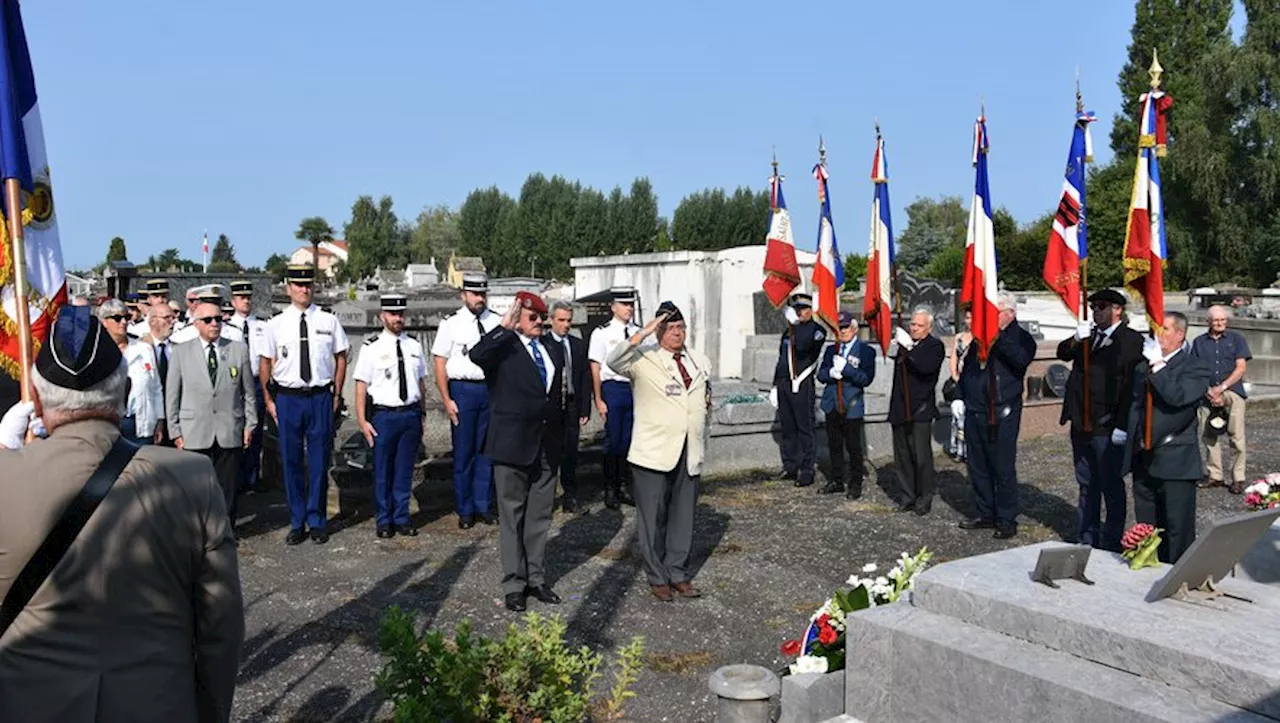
1263	494
821	648
1140	544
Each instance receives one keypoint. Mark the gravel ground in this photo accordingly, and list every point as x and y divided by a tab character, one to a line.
767	554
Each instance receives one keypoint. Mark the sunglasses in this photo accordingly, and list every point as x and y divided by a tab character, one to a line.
533	315
209	319
117	317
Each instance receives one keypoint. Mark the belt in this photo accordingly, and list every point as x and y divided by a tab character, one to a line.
617	381
415	407
467	381
303	391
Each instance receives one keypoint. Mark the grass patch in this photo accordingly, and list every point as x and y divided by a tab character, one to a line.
678	663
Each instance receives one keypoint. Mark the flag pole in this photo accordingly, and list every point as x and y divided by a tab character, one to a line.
1083	315
1155	71
13	216
897	309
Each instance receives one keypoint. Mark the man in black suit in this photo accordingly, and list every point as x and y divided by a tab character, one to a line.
917	359
992	396
525	440
1114	351
799	352
1165	471
574	402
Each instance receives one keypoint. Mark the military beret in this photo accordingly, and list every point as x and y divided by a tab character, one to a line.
671	310
531	301
1108	296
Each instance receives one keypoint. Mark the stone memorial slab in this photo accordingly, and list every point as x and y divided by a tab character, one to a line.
1214	554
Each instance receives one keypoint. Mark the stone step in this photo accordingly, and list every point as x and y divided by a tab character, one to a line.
1220	650
910	664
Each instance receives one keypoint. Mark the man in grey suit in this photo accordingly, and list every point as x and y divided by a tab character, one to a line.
209	398
1166	465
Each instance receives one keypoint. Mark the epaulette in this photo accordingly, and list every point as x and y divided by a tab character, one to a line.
605	325
371	339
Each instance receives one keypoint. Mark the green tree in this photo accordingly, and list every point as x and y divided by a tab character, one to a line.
1254	91
374	239
478	219
855	269
276	265
436	234
223	258
932	225
116	251
315	231
640	225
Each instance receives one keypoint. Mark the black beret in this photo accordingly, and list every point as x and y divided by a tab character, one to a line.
79	352
671	310
1108	296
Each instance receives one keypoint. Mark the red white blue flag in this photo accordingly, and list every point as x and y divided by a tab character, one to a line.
1068	241
828	272
980	286
781	272
878	302
1145	247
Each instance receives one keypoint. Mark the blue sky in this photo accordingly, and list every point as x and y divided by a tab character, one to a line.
163	119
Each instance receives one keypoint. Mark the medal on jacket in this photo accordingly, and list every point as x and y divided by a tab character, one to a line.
235	371
284	352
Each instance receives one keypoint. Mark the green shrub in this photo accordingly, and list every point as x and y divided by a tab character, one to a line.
528	675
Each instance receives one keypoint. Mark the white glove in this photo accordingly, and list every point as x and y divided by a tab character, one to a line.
957	408
773	397
1084	330
837	372
904	339
791	315
1119	437
14	424
1151	350
837	363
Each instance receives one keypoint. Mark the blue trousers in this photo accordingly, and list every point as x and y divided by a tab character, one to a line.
993	463
617	425
306	421
251	461
472	470
395	450
1099	472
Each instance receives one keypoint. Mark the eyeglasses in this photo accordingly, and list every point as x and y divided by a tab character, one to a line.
210	319
116	317
535	316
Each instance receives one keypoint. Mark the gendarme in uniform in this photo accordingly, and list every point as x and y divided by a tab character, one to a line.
306	352
463	384
615	392
249	329
154	288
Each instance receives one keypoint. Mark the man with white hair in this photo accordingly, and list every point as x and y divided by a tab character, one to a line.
1227	354
144	408
992	395
917	357
848	367
132	609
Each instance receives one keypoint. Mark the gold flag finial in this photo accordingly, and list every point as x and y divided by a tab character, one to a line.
1155	71
1079	97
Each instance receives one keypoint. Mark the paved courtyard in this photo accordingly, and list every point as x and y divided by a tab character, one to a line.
767	555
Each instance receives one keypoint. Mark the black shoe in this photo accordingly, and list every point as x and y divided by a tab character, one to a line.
544	594
466	522
319	537
854	492
908	506
1005	533
977	523
611	498
489	519
924	507
789	475
295	537
803	481
832	488
515	602
385	533
407	530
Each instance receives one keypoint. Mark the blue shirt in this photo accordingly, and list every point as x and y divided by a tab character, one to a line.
1221	355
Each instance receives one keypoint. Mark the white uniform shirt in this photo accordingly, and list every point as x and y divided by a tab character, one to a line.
378	367
235	331
281	343
183	332
146	400
139	329
456	337
603	339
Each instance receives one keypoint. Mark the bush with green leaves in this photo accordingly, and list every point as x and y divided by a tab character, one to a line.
528	675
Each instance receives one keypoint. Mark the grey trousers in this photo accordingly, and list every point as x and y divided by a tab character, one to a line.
665	503
526	500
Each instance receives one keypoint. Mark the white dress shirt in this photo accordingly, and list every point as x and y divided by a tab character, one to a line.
146	400
235	329
282	343
378	368
456	337
603	339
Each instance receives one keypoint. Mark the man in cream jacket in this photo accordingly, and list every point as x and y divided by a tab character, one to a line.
672	391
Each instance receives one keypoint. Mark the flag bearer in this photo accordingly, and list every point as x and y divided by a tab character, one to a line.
392	370
249	329
613	393
799	353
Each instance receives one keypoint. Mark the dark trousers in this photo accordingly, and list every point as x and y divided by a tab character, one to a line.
395	450
251	461
306	422
795	413
526	499
665	503
569	465
845	434
226	464
1099	472
472	471
1169	505
992	456
913	453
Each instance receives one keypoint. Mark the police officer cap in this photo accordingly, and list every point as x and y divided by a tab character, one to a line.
227	308
846	320
531	301
300	274
242	288
801	301
623	294
79	353
132	299
1107	296
475	282
209	294
671	310
394	302
158	286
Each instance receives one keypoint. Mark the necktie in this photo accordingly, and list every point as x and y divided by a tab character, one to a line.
304	351
404	383
684	373
537	359
479	325
568	366
162	362
213	364
1098	338
840	384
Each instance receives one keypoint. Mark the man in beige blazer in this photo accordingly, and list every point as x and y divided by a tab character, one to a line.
142	618
672	390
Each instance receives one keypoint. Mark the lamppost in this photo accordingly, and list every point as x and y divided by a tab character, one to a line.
533	258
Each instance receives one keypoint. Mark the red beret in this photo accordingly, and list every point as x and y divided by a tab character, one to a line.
530	301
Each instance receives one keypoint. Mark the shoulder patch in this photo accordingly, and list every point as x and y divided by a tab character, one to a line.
372	338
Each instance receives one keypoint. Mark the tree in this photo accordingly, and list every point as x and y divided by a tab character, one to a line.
711	219
855	269
640	222
223	258
478	219
932	225
276	265
374	239
116	251
315	231
435	235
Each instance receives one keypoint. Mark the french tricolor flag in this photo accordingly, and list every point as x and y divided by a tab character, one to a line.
782	273
828	272
1068	240
876	305
980	287
1145	247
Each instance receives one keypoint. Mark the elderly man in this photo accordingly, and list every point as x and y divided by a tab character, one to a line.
1097	407
992	396
138	616
672	391
570	355
144	408
847	368
525	441
1166	463
1227	353
917	361
799	352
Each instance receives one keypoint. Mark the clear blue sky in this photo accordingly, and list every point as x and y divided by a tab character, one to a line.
166	118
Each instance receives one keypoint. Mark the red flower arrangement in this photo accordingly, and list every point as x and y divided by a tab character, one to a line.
791	648
1141	543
